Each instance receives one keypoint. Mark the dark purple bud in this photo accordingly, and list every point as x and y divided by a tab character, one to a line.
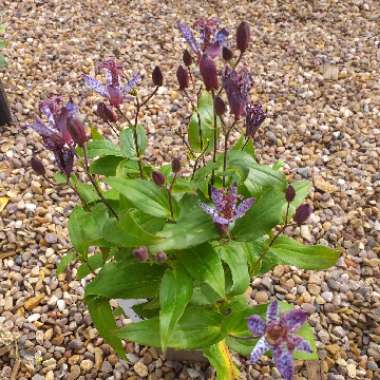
158	178
255	116
141	254
106	113
157	77
161	257
65	160
242	36
302	213
176	165
227	54
77	131
208	71
290	193
182	77
220	106
187	58
37	166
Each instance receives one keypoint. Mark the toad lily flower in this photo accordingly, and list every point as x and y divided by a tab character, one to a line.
211	40
226	209
277	334
255	116
113	91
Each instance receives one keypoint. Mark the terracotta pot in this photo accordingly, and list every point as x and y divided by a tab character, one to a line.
5	112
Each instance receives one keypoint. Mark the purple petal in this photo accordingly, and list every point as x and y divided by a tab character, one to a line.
115	96
272	312
294	319
65	160
256	325
188	36
71	108
243	207
261	347
208	210
298	343
95	85
213	50
61	125
131	84
221	36
284	362
217	197
221	220
41	128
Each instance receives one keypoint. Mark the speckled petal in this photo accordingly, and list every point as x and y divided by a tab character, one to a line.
95	85
131	84
256	325
261	347
298	343
243	207
284	362
294	319
272	312
217	196
208	209
188	36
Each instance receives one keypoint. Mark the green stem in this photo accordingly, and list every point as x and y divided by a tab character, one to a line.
226	151
95	185
170	189
215	140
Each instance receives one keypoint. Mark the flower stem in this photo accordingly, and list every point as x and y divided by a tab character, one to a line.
215	140
282	230
170	197
226	151
95	185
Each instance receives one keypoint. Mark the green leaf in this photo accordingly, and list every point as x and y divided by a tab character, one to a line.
128	169
262	176
3	62
261	217
92	263
101	314
203	294
243	347
193	227
105	165
205	110
65	261
220	358
126	280
197	328
127	142
290	252
126	232
204	265
87	192
101	148
234	255
144	195
60	179
175	293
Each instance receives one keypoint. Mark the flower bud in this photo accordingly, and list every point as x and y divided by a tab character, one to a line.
208	71
77	131
302	213
220	107
242	36
141	254
157	77
161	257
227	54
290	193
187	58
158	178
106	113
65	160
37	166
182	77
176	165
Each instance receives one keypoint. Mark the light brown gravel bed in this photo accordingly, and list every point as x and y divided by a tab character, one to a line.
316	68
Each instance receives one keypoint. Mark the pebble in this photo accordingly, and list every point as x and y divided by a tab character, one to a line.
86	365
141	369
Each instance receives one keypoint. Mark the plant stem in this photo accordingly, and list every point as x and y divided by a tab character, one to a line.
215	140
245	143
238	60
197	161
170	189
113	128
265	251
226	151
95	185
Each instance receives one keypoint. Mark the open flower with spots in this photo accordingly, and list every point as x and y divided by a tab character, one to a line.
211	39
227	209
278	334
113	91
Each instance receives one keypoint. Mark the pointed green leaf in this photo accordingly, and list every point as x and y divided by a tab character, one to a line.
175	293
92	263
102	147
106	165
127	142
204	265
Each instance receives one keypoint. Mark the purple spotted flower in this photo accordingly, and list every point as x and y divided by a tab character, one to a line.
226	208
237	85
278	334
211	39
113	91
254	117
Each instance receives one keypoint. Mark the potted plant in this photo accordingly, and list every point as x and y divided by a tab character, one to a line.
5	113
185	238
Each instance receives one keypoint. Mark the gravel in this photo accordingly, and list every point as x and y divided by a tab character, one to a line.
315	67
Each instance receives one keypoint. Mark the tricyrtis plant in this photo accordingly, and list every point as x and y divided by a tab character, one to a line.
186	238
